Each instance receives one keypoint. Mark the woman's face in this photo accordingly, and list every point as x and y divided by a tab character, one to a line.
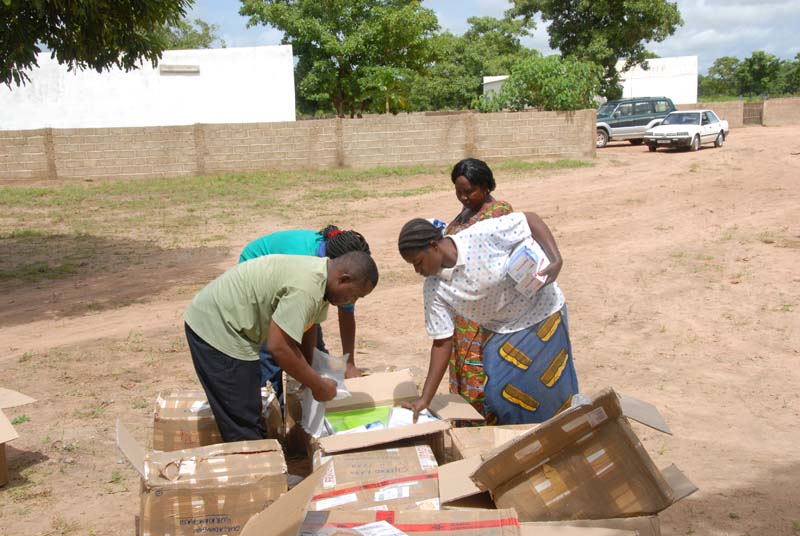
426	262
471	196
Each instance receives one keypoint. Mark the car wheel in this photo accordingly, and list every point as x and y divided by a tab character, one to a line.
695	145
602	138
652	147
720	140
637	141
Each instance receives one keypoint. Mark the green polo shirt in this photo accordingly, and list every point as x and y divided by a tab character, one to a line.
233	312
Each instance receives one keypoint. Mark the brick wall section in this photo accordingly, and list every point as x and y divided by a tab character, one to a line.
536	135
780	112
124	152
731	111
23	155
402	140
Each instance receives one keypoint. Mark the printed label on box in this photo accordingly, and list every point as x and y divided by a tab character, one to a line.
392	493
426	459
379	528
326	504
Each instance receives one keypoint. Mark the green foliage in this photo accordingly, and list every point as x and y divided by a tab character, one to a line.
454	80
352	54
551	83
20	419
185	35
604	31
83	33
759	74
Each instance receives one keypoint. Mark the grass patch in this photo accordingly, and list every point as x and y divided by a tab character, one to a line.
38	271
20	419
539	165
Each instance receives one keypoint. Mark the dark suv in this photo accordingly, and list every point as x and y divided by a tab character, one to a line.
629	119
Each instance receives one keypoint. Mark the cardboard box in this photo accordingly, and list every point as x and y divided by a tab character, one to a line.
8	399
289	516
213	489
585	463
404	478
476	440
638	526
393	388
182	419
418	523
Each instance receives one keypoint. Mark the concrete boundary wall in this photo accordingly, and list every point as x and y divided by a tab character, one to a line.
409	139
781	112
731	111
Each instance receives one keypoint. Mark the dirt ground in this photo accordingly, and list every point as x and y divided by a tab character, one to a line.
682	285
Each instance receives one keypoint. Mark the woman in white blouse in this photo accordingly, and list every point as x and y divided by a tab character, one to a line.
530	375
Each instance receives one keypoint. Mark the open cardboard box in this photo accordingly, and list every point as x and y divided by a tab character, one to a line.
211	489
182	419
8	399
476	440
392	388
585	463
289	516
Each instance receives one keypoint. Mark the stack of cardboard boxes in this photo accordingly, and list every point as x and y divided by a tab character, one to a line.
582	473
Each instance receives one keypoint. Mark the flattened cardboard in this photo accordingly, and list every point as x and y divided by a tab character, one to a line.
8	399
403	478
639	526
12	399
211	489
585	463
394	388
416	523
285	516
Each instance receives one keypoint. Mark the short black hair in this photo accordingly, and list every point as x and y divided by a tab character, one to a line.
477	172
341	242
416	235
360	265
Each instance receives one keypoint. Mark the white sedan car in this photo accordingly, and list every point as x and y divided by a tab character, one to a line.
689	128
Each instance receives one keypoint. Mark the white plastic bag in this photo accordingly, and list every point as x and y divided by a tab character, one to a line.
328	366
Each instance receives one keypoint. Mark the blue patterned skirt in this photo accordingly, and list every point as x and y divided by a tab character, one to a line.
530	375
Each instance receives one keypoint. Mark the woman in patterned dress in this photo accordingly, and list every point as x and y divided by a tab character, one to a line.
527	354
474	184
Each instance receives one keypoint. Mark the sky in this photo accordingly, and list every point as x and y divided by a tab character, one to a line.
711	28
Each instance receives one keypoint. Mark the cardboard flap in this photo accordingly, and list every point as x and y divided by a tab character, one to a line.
681	486
533	529
454	480
344	442
377	390
643	413
453	407
7	432
130	448
12	399
285	516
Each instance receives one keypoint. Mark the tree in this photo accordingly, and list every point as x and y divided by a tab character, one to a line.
454	80
83	34
185	35
721	78
760	74
348	49
551	83
604	31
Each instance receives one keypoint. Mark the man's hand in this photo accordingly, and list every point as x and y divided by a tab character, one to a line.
417	406
325	390
352	371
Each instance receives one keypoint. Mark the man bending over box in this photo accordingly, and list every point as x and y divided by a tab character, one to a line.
275	299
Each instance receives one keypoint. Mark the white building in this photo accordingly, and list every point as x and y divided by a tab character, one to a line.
225	85
675	78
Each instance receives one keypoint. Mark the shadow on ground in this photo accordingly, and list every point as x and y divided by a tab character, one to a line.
57	276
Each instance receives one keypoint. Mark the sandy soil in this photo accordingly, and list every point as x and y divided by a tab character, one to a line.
683	289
